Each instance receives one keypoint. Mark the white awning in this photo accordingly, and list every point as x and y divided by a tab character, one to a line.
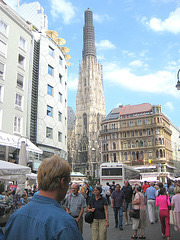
15	142
9	169
144	167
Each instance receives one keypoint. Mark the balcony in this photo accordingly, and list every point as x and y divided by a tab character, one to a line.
109	130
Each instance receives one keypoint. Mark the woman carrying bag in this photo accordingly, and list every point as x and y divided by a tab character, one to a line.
98	205
139	222
163	202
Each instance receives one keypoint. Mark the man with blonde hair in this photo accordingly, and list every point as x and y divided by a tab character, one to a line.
43	218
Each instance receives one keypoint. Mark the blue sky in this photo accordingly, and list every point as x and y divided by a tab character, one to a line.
137	42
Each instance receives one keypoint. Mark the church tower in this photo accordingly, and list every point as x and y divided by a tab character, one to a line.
90	104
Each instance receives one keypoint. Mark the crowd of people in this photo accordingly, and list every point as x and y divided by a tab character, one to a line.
56	208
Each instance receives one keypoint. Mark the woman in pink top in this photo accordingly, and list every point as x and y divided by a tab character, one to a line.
163	202
176	204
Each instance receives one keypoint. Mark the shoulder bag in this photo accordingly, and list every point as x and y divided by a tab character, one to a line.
135	213
89	216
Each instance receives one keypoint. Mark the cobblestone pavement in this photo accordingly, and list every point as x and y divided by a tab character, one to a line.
152	232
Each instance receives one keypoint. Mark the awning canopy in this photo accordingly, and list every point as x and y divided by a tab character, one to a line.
15	142
8	169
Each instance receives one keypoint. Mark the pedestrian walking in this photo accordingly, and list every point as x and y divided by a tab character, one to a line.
176	204
43	217
107	192
75	204
112	186
163	202
128	192
150	194
139	223
117	200
98	205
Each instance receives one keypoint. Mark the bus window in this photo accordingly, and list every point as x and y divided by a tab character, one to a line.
111	171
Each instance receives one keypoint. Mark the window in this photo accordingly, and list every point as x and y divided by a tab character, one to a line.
18	101
22	43
124	125
49	111
60	97
114	156
49	90
139	122
150	155
49	132
140	132
1	93
133	156
51	51
60	78
141	143
133	144
60	60
21	60
60	116
132	133
65	103
124	134
3	48
17	124
125	156
3	27
148	132
131	123
114	145
20	80
2	70
148	121
60	136
50	70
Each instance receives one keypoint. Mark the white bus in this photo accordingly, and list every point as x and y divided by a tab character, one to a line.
117	172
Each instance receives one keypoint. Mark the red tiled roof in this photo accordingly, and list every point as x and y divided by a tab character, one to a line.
131	109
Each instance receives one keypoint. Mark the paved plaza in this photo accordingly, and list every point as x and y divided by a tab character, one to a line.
152	232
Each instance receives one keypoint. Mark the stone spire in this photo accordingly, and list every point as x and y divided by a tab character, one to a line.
88	35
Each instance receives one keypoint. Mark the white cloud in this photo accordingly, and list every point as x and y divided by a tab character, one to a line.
136	63
64	8
158	82
100	18
170	106
171	24
72	83
129	54
105	44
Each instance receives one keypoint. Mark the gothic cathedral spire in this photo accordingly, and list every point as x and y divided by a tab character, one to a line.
90	104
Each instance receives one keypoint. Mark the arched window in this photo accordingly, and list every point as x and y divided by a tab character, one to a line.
98	121
114	156
157	154
137	155
161	154
160	141
133	156
85	122
141	143
114	145
84	147
125	156
104	147
141	155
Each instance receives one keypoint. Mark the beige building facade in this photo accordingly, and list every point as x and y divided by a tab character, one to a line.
139	136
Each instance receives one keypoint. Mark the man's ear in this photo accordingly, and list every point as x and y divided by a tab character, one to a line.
62	182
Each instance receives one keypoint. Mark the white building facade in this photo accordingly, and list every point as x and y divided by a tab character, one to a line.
15	76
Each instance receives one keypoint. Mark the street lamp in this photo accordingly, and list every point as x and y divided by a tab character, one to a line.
178	82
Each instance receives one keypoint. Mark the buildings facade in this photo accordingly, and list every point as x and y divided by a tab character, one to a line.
139	136
90	104
33	83
15	79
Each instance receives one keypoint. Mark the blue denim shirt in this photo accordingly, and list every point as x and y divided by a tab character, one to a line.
42	219
150	193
